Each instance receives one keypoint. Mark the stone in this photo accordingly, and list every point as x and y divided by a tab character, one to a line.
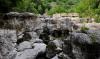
53	48
7	43
24	45
31	53
94	35
56	57
80	38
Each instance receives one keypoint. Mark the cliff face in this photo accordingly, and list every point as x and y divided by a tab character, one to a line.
45	38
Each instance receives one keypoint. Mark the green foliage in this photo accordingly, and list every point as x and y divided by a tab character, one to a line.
61	6
86	8
32	6
38	6
7	5
24	5
97	19
56	9
89	8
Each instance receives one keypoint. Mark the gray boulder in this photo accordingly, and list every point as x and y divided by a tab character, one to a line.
7	43
94	35
53	48
80	38
24	45
31	53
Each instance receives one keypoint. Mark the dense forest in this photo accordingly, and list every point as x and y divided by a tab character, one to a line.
86	8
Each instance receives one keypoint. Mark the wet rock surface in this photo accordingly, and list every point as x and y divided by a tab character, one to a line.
46	38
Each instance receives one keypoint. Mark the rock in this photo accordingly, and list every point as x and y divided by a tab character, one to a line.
80	38
94	35
38	41
33	34
12	54
31	53
77	52
44	37
24	45
60	33
47	38
58	43
11	15
53	48
7	43
67	50
56	57
63	56
85	46
25	37
34	37
28	15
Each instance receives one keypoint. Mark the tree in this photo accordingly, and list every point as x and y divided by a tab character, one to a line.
7	5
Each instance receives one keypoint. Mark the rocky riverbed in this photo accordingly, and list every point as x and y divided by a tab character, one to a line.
25	36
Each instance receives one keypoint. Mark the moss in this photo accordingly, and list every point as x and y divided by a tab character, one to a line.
84	29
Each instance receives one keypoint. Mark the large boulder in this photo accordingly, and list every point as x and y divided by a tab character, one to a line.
24	45
11	15
39	48
67	50
80	38
55	57
86	45
27	15
7	43
25	36
53	48
94	35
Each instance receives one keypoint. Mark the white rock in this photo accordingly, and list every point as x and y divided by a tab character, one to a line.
36	40
33	34
55	57
24	45
9	34
58	43
31	53
12	54
81	38
40	47
7	42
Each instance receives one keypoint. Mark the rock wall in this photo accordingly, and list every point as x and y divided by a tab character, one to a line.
48	39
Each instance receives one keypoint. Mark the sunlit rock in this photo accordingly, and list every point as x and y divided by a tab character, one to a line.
31	53
24	45
7	43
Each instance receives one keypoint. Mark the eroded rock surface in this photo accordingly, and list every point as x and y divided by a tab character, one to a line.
27	37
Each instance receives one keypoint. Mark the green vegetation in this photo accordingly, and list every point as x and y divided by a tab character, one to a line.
38	6
86	8
7	5
89	8
84	29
